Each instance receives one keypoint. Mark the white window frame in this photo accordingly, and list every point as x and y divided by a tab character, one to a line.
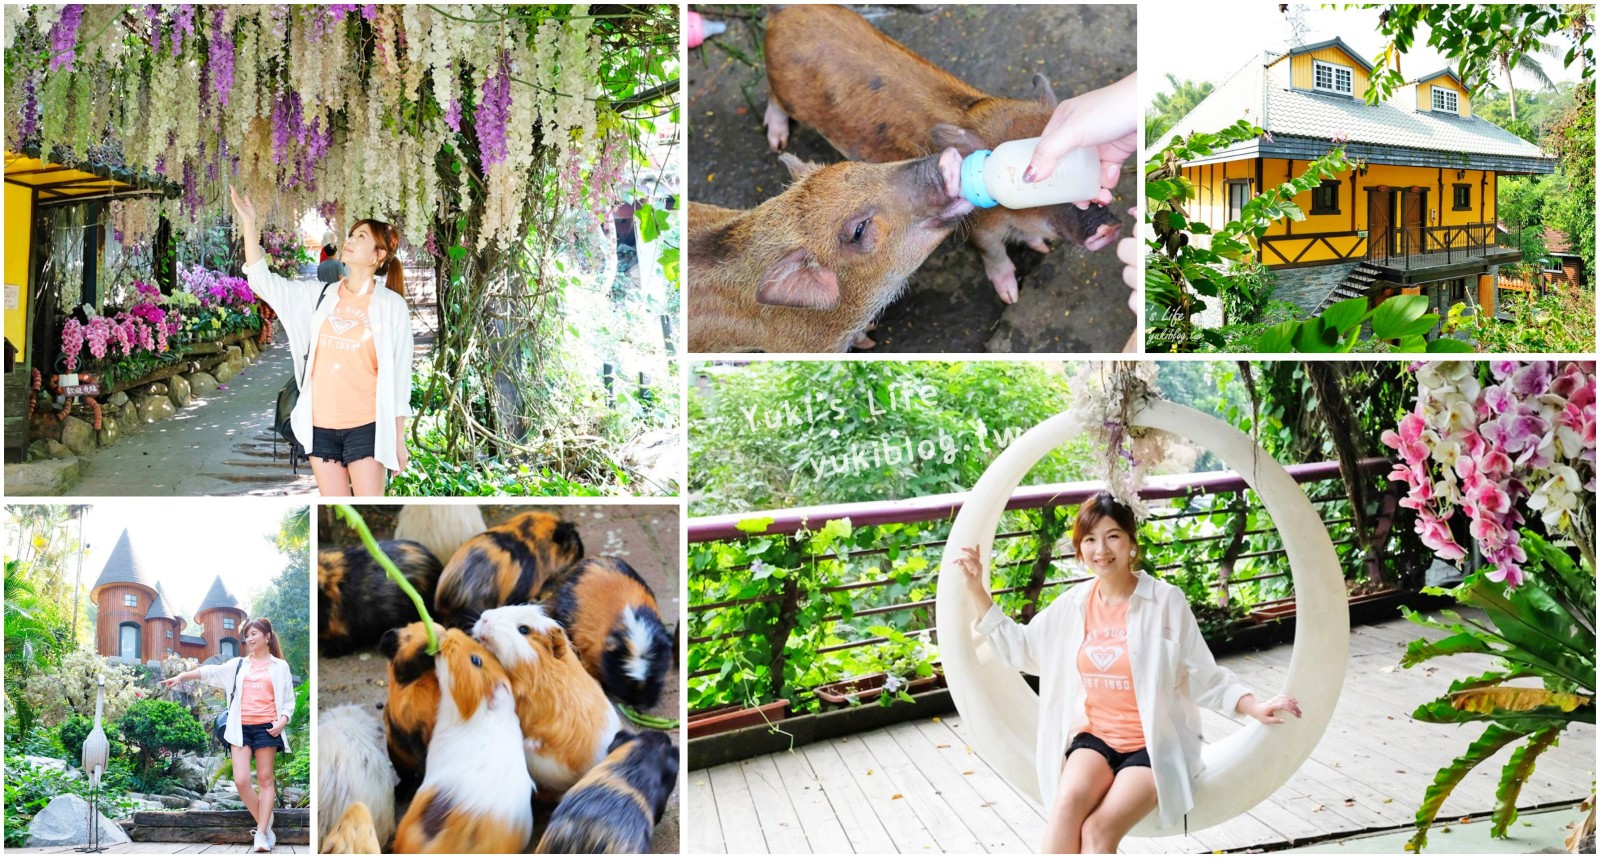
1333	75
1439	102
227	623
130	600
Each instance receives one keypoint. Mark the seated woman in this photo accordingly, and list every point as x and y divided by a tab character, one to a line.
1121	667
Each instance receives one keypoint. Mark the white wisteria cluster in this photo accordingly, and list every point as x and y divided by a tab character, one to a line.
1107	397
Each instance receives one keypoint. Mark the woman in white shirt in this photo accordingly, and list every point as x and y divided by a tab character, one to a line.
261	702
1121	667
352	347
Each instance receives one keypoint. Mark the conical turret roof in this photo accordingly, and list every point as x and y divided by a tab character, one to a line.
219	596
124	566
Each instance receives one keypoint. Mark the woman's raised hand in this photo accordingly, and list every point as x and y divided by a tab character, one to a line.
971	566
244	208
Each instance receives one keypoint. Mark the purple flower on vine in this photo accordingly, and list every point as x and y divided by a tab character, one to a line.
182	25
452	115
221	67
28	126
494	109
64	38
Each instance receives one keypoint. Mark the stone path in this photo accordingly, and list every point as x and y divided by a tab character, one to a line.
221	444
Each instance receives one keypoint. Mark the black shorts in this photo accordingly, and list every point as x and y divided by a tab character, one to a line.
344	445
1115	759
256	737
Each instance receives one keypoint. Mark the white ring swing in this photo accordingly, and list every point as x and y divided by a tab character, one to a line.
1250	764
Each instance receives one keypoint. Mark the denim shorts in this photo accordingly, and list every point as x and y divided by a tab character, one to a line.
1115	759
344	445
256	737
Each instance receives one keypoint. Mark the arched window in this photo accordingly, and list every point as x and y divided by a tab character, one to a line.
230	648
128	635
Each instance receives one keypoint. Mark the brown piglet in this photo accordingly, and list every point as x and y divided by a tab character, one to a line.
809	269
874	99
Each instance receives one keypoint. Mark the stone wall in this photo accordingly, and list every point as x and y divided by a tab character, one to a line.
1306	287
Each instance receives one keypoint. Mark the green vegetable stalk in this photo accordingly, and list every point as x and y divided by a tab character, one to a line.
359	525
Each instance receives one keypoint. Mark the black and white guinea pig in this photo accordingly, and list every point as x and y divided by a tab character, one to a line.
610	613
440	527
508	564
356	601
615	807
353	770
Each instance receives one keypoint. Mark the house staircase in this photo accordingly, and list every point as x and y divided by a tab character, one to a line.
1357	284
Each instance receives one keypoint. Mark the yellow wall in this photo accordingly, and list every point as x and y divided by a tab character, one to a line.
1209	204
1300	68
1425	95
19	235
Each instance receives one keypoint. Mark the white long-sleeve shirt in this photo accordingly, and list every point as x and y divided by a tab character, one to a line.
1173	671
390	321
229	676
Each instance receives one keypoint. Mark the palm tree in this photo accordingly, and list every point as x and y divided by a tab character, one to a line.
1167	108
1515	46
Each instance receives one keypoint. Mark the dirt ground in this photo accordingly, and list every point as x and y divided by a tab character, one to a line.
644	535
1071	300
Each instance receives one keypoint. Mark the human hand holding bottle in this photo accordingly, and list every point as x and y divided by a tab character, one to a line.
1106	119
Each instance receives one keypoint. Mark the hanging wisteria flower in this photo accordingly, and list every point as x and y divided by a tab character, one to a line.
64	38
221	67
493	110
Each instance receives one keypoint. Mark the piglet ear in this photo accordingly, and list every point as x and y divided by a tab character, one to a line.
962	140
797	280
1043	92
798	169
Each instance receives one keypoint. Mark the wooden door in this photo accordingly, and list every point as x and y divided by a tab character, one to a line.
1380	219
1413	206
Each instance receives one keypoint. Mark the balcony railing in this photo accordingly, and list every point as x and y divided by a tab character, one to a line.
1427	246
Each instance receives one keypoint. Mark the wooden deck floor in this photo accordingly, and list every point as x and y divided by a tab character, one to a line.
166	849
918	787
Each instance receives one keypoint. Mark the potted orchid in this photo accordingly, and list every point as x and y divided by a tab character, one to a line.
1506	452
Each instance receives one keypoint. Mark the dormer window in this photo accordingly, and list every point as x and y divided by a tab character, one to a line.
1445	100
1327	77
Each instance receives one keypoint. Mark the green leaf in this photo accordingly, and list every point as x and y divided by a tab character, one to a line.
1278	339
1346	316
1394	316
755	524
1450	345
1493	739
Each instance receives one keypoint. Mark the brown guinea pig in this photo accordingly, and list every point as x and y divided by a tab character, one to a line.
617	805
477	795
354	834
413	701
567	722
610	613
356	601
505	565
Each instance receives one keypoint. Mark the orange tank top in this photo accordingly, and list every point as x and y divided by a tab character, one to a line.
1108	676
344	378
256	704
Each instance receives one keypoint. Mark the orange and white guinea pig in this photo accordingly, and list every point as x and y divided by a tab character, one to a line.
611	615
353	770
567	722
507	564
413	703
477	796
354	834
616	806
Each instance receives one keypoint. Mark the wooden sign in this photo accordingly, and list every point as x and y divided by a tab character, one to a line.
81	390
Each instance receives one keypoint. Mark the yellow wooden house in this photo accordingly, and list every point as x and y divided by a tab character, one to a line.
1418	216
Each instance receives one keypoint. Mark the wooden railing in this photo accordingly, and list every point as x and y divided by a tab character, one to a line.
1044	573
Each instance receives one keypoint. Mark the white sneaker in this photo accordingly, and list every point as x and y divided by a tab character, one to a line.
260	843
272	840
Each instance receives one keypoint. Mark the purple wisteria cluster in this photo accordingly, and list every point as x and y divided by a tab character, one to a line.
296	145
64	38
1526	439
220	68
494	110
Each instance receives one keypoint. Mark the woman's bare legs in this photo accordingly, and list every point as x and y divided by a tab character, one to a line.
1131	797
333	480
367	477
241	781
266	788
1085	778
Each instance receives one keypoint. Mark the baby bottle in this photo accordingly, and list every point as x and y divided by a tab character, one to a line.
994	177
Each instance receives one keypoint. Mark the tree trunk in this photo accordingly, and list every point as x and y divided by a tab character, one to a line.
1341	424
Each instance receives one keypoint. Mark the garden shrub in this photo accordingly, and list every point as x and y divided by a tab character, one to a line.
160	728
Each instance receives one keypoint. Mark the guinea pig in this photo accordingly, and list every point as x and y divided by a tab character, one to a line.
567	722
506	565
353	771
616	806
357	602
413	703
354	834
441	527
477	795
611	616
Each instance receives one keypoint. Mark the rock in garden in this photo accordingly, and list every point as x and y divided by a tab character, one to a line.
78	435
199	805
47	477
202	383
180	392
50	763
251	352
235	354
153	408
110	431
64	822
224	371
156	389
38	450
56	449
119	399
173	802
191	773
